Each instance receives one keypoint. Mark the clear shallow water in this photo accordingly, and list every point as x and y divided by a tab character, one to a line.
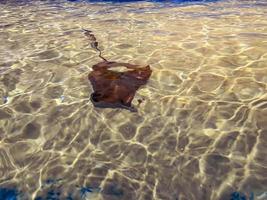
200	132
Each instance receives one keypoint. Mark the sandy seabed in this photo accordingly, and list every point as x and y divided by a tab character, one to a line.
200	132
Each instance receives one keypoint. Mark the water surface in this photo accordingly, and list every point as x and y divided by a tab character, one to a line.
199	134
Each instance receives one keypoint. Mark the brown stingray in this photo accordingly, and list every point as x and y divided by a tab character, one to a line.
113	88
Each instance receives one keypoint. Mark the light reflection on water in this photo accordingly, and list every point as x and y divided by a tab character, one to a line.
200	132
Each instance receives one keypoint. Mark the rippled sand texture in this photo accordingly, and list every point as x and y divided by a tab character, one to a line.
200	133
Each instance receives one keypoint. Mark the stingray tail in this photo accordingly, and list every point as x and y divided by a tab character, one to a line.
94	43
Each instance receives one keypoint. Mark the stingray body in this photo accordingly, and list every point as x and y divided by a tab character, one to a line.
112	88
117	89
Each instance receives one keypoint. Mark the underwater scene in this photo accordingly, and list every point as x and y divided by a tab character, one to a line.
133	100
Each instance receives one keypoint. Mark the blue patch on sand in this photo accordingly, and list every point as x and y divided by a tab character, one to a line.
241	196
113	189
8	194
84	191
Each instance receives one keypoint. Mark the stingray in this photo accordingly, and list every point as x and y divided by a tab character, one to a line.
115	89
